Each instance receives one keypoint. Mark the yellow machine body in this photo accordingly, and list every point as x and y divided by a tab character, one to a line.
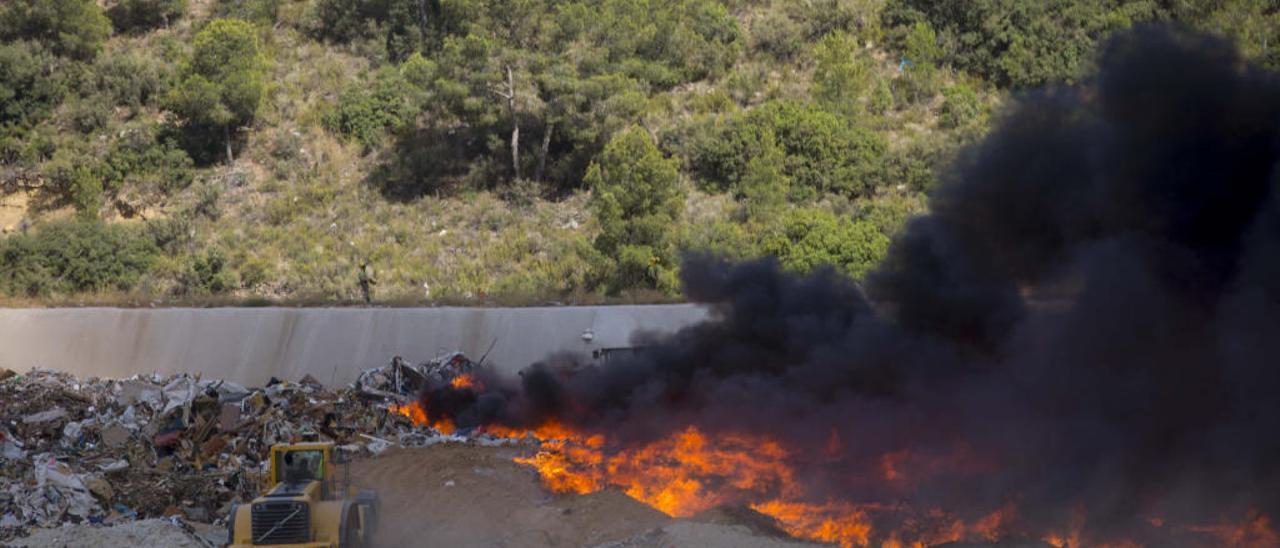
304	505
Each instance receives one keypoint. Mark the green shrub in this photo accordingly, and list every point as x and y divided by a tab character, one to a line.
860	18
29	86
890	212
921	44
85	192
367	110
90	114
916	166
139	158
918	83
842	74
255	272
144	15
206	274
69	257
664	43
255	11
397	26
637	200
1017	43
1254	24
71	28
779	35
765	186
725	238
824	152
805	239
959	108
170	234
881	100
131	79
59	171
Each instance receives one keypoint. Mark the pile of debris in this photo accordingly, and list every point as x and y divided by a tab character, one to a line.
106	451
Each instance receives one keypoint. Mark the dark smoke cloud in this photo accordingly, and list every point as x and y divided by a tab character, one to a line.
1087	321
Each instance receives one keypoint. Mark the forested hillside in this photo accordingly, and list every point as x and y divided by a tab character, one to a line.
501	151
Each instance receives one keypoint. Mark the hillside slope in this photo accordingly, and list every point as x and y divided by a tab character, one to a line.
472	151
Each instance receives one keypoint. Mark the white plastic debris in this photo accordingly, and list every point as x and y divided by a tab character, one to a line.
132	392
114	466
377	445
79	502
11	448
179	393
45	416
71	432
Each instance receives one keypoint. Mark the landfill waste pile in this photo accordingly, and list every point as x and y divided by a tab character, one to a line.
113	451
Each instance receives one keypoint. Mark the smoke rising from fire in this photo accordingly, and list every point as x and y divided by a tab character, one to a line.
1086	326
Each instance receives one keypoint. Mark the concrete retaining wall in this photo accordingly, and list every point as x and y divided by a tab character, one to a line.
250	345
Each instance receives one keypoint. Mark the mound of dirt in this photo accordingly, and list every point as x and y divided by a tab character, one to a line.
741	516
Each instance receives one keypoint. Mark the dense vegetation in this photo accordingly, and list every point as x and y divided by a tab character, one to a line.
490	149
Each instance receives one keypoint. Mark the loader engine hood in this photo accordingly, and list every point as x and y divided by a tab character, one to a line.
281	521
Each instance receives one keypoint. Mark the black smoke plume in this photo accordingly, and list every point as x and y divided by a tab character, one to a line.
1087	322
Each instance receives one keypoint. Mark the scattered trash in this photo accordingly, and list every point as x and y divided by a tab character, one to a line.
108	452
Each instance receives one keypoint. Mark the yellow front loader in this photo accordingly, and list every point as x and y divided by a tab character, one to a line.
304	506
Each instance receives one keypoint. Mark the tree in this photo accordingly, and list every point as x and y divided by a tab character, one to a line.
825	152
765	185
1019	43
404	26
1254	24
223	81
71	28
29	86
922	54
484	84
803	240
144	15
367	109
841	75
637	199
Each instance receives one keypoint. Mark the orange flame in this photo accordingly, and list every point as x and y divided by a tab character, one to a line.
1255	531
689	472
418	416
462	382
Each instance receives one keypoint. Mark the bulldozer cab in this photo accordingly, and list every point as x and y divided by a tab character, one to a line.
302	505
295	466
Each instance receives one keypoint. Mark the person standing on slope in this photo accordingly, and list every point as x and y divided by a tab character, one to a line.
366	281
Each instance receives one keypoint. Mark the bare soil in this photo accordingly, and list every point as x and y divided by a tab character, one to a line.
461	495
